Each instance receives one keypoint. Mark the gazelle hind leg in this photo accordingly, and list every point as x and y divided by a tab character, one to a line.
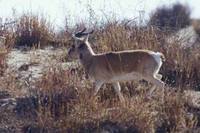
118	91
160	84
151	90
155	80
159	76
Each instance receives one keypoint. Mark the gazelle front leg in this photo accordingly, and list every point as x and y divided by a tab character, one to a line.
118	90
98	85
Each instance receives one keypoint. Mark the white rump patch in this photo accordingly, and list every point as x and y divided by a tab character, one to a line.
157	57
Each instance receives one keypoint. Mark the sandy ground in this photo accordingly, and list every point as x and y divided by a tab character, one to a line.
35	62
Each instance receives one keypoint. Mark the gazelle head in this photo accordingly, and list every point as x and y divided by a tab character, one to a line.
81	45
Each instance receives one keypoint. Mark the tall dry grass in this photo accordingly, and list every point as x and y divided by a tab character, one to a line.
33	30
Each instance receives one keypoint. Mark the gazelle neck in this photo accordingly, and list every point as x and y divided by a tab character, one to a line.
86	58
90	48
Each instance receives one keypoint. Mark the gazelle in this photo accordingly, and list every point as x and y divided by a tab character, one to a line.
114	67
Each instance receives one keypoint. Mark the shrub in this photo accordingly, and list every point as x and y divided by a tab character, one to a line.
33	30
172	18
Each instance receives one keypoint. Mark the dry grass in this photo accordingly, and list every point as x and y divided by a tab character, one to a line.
172	17
33	30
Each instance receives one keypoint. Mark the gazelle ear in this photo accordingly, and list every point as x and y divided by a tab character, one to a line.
78	38
82	36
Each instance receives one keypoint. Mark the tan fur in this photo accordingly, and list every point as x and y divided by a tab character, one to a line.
107	65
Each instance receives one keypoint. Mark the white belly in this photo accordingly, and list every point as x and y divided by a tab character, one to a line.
126	77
